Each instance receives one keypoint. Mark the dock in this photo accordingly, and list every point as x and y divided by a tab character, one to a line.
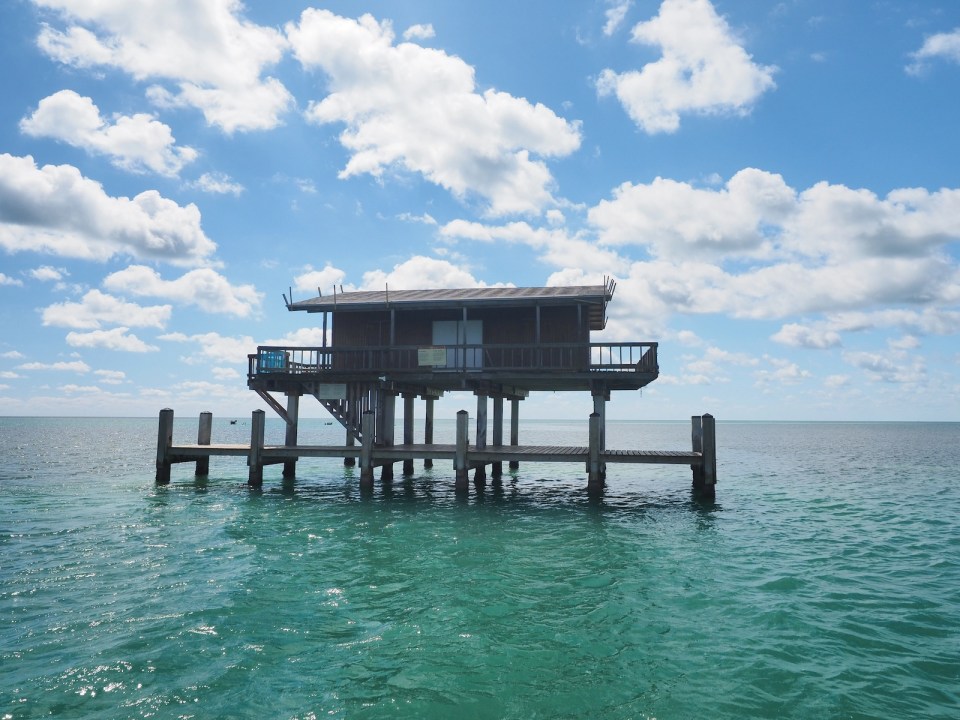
463	455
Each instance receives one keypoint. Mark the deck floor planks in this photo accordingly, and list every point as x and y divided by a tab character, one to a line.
490	453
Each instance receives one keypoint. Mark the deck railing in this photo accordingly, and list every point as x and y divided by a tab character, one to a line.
543	357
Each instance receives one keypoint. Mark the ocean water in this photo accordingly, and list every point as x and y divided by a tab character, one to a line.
823	582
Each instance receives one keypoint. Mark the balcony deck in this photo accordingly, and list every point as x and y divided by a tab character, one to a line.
545	366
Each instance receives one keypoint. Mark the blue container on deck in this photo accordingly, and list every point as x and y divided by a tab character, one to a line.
273	361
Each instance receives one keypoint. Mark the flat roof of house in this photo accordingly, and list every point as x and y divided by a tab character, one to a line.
373	300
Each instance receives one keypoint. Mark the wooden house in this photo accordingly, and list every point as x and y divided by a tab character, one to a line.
498	342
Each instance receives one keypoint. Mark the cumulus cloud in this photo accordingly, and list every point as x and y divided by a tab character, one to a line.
77	366
217	183
796	335
210	57
325	280
45	273
942	46
216	347
204	288
615	15
419	32
54	209
703	69
416	108
421	272
756	214
138	143
7	280
556	246
111	377
118	338
97	308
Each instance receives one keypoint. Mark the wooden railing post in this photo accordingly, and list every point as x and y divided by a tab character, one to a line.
164	442
461	469
255	458
204	432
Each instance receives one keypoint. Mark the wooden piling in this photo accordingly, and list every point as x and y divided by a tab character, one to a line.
428	428
496	467
696	445
595	473
255	458
350	460
290	438
480	473
460	467
164	443
514	428
709	450
388	419
408	403
204	433
367	425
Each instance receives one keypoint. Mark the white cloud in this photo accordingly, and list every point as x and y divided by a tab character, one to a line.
45	273
216	347
217	183
615	15
703	69
796	335
786	372
77	366
97	308
420	272
213	58
205	288
12	355
111	377
942	46
325	280
419	32
7	280
555	245
225	373
116	339
54	209
418	109
137	143
677	220
828	248
73	389
889	367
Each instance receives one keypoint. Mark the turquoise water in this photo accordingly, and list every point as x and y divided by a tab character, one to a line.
824	582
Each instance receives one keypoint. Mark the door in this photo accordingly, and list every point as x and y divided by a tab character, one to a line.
458	332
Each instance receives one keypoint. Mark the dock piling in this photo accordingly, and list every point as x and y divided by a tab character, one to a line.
461	469
290	438
164	443
367	424
255	458
595	467
204	433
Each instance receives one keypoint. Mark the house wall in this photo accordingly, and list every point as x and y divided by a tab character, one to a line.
509	326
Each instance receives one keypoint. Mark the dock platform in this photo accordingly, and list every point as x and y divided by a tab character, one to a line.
464	455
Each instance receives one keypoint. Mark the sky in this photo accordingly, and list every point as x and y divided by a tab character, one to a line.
774	186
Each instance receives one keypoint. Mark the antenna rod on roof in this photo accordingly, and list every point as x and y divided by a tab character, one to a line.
341	288
386	292
285	301
319	291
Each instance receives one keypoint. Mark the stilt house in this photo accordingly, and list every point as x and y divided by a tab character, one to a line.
498	342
